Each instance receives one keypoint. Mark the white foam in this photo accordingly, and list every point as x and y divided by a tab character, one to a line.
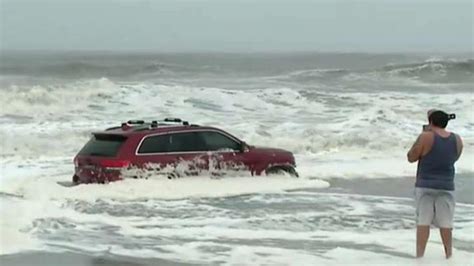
161	187
36	197
16	214
399	248
209	229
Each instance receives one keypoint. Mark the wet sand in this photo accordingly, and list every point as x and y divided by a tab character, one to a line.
76	259
396	187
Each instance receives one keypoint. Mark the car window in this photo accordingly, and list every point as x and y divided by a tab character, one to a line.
103	145
155	144
215	141
175	142
184	142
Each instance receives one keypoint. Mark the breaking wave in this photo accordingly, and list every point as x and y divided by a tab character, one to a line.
78	69
436	71
309	69
431	71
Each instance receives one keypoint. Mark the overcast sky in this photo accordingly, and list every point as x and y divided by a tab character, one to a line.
238	25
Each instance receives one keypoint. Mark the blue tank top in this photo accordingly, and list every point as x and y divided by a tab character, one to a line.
436	169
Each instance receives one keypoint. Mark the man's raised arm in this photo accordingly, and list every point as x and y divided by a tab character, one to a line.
416	150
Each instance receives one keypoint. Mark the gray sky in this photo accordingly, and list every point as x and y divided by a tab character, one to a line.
238	25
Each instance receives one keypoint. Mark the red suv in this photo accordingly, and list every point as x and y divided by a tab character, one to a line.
173	148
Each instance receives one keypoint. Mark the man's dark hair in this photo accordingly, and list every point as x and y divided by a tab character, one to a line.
439	119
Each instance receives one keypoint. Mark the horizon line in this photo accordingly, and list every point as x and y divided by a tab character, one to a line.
157	51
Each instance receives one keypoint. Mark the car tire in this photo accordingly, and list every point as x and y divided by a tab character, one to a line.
173	175
282	170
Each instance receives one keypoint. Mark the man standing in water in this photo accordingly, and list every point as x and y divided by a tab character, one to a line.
436	151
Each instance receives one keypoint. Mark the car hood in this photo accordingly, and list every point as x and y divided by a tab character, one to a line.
269	150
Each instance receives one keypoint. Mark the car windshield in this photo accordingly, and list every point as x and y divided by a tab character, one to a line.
103	145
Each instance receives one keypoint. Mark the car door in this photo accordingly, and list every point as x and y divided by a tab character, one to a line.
224	152
171	154
152	157
189	153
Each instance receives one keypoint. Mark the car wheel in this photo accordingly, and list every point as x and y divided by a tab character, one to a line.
282	170
173	175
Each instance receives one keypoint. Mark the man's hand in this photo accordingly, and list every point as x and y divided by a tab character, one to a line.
420	146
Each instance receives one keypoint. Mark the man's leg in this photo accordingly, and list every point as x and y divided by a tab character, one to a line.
422	235
444	206
424	218
446	236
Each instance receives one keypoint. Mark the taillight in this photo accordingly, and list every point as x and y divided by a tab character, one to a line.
114	164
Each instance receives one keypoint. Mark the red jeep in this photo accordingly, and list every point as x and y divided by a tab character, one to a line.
173	148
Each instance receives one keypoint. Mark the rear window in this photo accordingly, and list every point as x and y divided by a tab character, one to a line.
105	145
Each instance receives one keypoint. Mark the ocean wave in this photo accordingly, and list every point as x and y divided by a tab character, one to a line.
450	71
95	69
311	69
430	71
54	100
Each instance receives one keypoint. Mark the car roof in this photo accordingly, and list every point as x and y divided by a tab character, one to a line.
127	129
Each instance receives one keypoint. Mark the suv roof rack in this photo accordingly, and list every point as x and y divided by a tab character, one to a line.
140	125
176	120
112	128
134	122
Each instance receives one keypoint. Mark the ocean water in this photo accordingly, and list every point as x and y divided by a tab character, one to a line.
344	116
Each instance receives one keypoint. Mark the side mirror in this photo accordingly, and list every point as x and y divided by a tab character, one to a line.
244	147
